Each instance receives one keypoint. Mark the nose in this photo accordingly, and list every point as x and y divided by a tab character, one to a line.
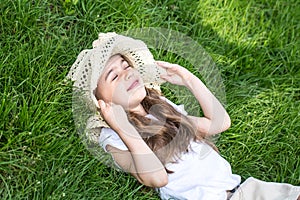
128	74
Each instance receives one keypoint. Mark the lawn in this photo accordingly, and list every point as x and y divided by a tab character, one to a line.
255	47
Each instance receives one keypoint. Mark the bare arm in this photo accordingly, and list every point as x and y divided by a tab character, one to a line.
216	119
140	160
125	161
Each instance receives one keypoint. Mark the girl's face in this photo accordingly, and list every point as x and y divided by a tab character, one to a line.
121	84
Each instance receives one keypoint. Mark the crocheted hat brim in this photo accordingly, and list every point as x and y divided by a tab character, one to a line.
87	68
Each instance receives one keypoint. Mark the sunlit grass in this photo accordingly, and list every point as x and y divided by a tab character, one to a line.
255	45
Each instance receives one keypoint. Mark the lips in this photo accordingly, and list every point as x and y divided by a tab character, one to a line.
133	85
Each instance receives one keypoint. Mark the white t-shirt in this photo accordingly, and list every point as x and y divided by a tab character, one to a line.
199	174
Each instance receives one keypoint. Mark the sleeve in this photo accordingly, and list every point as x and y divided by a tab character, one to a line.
109	136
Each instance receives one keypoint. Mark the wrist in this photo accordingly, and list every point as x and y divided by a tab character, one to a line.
190	82
133	140
124	128
128	132
118	125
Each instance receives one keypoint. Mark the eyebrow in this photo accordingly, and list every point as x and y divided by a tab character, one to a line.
121	61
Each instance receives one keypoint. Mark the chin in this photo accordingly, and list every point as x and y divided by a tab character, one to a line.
141	93
137	97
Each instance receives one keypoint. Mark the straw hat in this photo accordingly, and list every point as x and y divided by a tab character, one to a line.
88	67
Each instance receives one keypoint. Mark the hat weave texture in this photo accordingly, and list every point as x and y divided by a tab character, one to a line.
86	70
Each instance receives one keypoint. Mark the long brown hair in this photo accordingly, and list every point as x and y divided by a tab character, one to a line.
170	135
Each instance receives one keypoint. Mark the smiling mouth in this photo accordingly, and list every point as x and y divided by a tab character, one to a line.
133	85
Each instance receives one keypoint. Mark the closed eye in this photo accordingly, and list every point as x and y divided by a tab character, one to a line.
115	77
123	62
129	66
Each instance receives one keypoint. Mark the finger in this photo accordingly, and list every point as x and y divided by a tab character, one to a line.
166	78
170	68
164	64
102	105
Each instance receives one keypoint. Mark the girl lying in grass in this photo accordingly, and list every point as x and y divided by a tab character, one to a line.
152	138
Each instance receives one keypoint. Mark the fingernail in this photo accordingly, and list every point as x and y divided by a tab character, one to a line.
102	103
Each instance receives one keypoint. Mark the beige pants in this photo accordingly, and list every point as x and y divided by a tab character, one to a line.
254	189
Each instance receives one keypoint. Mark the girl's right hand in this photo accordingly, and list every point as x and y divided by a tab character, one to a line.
114	115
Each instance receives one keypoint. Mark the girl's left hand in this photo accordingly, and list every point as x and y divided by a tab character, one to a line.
176	74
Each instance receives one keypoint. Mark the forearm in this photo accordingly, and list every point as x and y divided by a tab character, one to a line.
210	105
147	166
216	118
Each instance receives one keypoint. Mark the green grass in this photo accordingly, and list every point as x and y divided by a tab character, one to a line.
255	45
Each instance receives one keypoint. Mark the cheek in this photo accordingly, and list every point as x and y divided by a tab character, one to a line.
105	92
118	94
